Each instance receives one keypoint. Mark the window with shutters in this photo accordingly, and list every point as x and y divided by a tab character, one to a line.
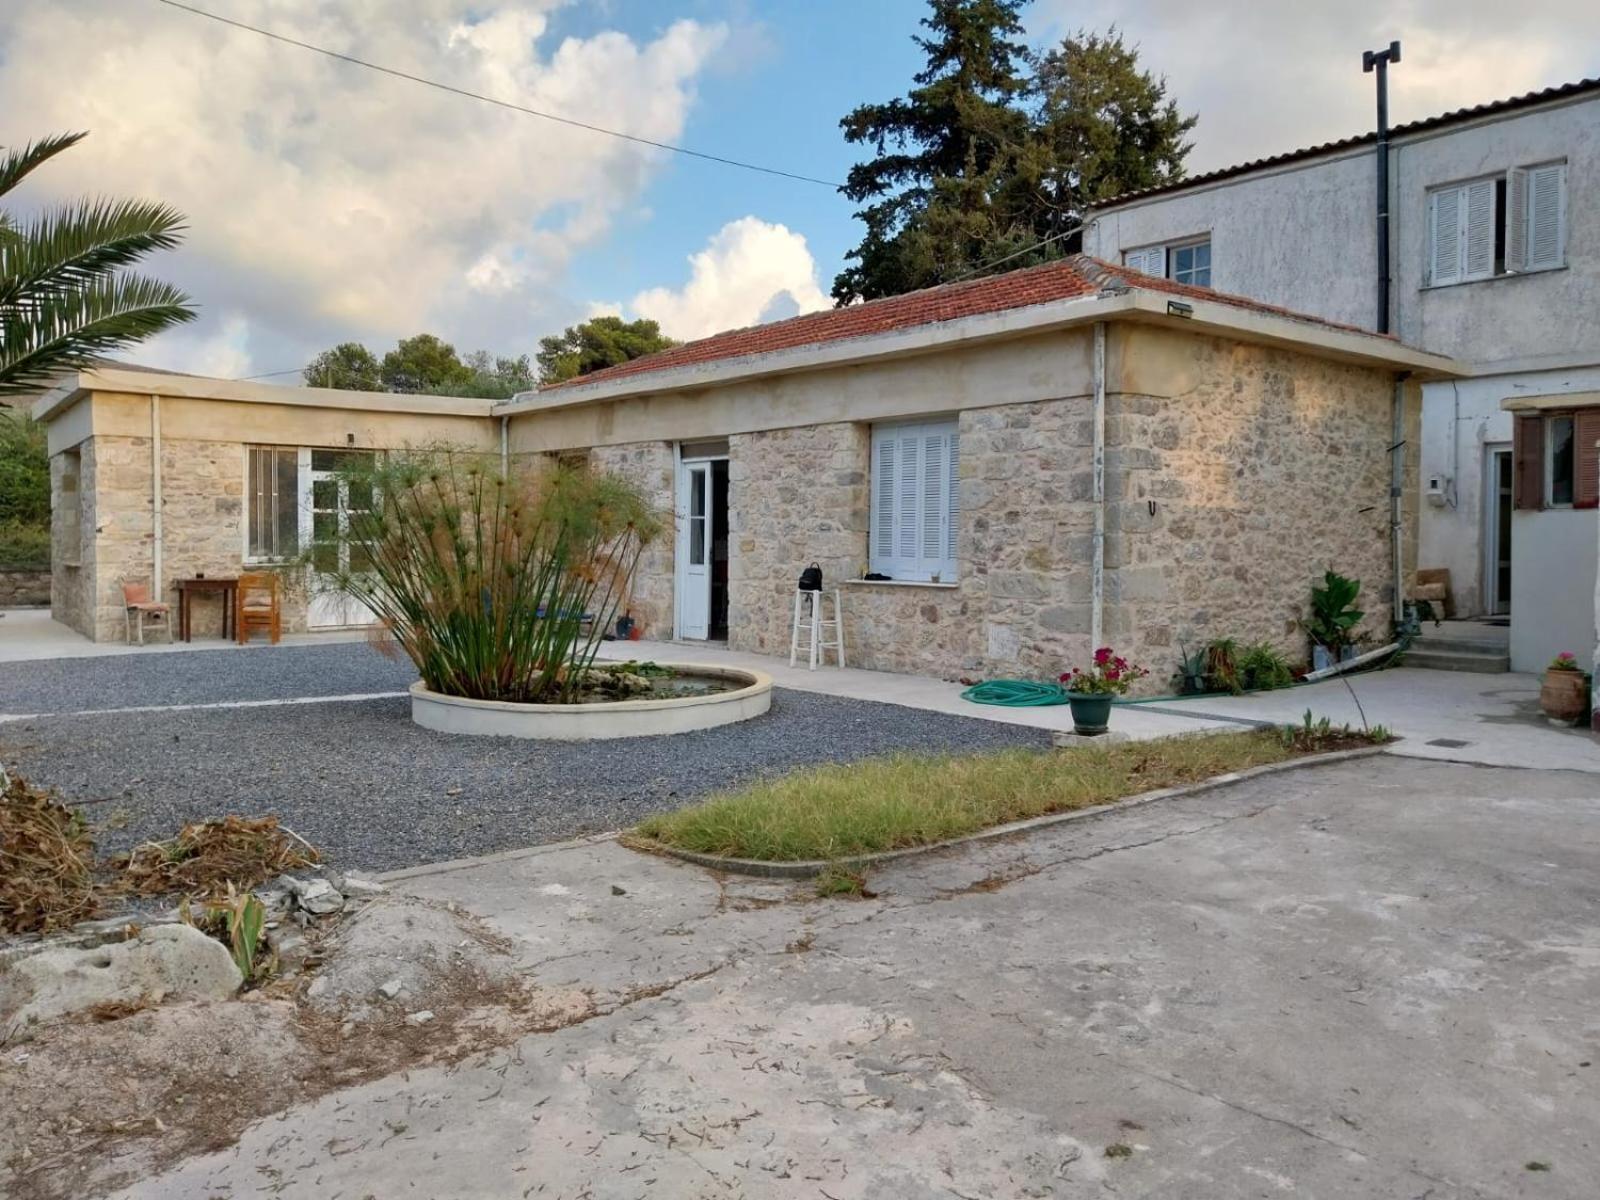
1182	262
1555	460
916	502
272	505
1500	225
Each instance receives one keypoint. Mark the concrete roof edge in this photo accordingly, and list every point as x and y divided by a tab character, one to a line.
1141	303
199	387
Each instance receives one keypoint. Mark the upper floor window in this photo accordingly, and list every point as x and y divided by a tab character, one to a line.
916	502
1182	262
1499	225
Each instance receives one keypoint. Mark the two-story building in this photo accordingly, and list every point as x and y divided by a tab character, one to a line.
1495	251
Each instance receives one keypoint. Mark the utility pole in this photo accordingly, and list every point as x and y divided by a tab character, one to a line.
1379	60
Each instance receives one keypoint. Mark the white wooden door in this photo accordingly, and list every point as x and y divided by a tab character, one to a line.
694	550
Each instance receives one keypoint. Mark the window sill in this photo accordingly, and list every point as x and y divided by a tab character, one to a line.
893	583
1532	274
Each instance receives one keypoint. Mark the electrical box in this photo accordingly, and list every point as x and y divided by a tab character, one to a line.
1437	489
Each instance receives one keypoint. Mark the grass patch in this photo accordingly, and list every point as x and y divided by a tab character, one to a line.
896	803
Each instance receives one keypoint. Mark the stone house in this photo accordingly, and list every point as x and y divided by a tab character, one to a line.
998	474
1494	253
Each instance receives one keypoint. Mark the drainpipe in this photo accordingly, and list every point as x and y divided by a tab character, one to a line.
505	447
155	496
1097	601
1397	469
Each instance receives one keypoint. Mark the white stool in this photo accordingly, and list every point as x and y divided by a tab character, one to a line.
823	634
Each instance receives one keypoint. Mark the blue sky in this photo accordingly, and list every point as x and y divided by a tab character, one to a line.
329	203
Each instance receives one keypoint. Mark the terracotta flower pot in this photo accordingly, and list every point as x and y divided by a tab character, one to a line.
1564	695
1091	712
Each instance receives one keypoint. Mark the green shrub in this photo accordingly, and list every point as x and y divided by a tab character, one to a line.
1262	668
24	491
485	579
23	545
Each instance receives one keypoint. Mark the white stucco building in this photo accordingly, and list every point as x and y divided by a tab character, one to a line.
1495	253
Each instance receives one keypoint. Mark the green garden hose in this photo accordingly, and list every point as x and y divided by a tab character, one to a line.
1016	693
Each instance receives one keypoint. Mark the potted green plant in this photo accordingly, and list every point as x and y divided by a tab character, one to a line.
1091	692
1333	618
1565	693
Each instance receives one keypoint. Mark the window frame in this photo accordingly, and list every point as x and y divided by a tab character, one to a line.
920	567
1550	419
1173	249
1511	231
300	457
1169	250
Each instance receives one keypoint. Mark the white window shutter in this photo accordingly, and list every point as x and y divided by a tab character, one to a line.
1444	236
883	479
1477	238
935	465
1516	220
1152	260
1546	216
953	505
908	495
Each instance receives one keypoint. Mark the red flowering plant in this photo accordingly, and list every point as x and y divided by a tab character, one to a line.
1110	675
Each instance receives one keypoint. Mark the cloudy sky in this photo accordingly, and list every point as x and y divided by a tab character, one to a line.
327	202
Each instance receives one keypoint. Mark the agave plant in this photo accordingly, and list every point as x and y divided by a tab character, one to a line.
66	297
498	586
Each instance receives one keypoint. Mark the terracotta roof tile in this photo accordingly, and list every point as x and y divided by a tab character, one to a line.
1075	277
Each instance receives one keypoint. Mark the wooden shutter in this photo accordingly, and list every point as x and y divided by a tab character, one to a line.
1586	459
1444	236
954	504
1546	219
913	498
883	476
1477	236
1152	260
1516	220
1527	461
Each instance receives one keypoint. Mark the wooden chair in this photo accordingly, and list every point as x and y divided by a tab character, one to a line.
138	607
257	605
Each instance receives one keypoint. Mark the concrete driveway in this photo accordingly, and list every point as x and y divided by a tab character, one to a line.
1370	979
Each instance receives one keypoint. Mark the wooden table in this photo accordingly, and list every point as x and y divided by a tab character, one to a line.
187	588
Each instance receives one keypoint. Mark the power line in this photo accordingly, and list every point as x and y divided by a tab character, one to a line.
532	112
1039	245
270	374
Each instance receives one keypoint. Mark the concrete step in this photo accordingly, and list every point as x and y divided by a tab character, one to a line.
1459	645
1489	661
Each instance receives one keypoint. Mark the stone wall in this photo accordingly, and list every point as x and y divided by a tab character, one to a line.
23	587
1227	502
649	466
1020	603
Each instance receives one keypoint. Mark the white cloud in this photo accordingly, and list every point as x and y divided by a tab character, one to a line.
750	272
328	201
1266	78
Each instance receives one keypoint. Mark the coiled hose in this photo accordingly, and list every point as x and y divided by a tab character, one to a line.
1016	693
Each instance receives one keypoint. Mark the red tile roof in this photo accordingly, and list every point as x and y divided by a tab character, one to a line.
1565	91
1075	277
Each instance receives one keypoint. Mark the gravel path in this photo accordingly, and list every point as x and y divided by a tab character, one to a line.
199	677
373	790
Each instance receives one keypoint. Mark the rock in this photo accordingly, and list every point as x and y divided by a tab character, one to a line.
391	989
318	897
359	887
166	960
618	891
420	1018
292	947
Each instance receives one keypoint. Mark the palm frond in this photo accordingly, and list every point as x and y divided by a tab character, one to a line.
15	165
69	247
61	332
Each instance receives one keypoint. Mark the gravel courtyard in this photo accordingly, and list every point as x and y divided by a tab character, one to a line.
358	779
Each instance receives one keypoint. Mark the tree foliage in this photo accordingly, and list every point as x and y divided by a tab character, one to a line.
349	365
996	150
24	491
425	364
596	344
67	296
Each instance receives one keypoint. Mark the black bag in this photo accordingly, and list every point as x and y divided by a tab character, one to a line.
811	578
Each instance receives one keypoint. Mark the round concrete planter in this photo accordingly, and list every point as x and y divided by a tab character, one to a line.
590	722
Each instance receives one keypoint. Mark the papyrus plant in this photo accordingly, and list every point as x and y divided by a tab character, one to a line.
498	585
